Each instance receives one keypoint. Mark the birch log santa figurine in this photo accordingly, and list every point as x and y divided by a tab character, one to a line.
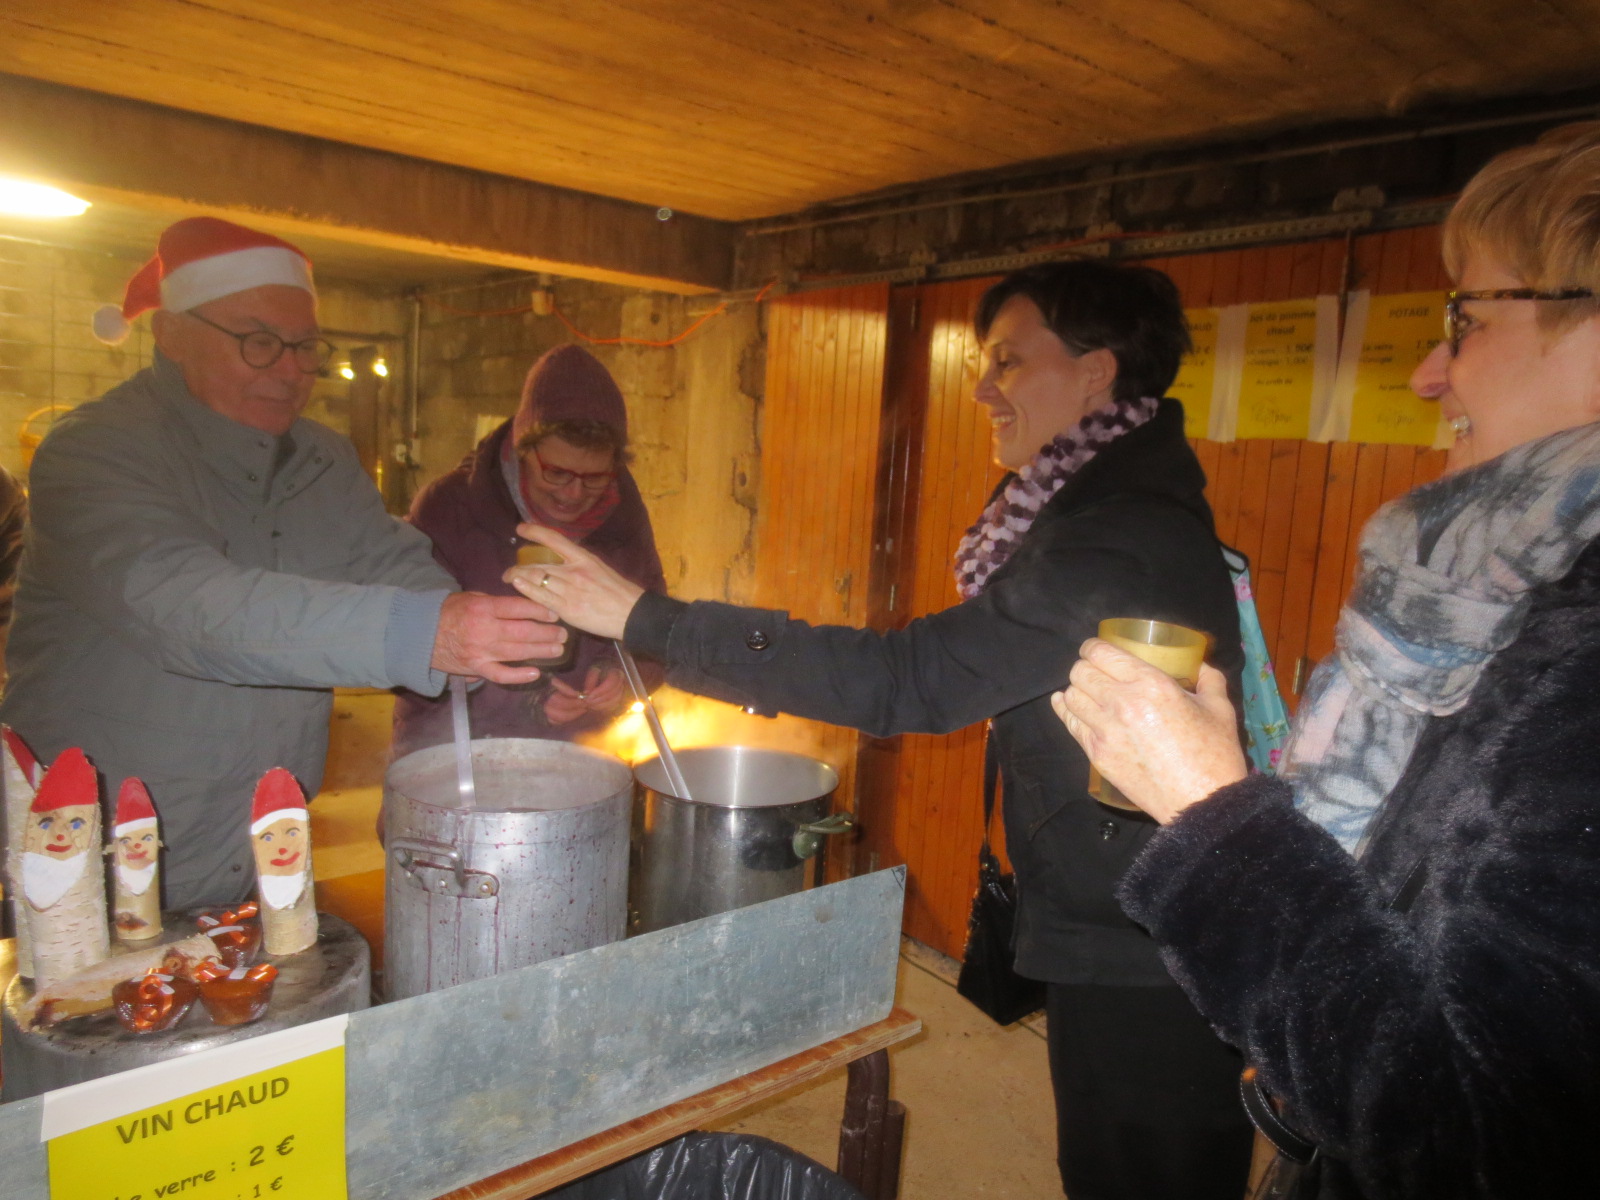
20	777
135	871
280	835
62	879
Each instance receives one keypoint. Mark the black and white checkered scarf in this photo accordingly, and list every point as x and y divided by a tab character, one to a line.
1009	516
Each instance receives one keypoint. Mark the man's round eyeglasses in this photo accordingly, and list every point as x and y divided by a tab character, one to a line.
260	348
559	477
1456	325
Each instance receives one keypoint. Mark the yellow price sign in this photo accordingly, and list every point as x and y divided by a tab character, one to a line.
1197	375
272	1134
1280	362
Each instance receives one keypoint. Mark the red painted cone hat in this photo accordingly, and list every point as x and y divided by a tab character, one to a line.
18	750
200	259
134	810
69	781
277	796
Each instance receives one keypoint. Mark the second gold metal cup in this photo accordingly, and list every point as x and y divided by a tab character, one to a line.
1174	649
532	554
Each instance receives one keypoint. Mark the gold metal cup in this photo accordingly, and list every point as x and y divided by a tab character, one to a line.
532	554
1175	649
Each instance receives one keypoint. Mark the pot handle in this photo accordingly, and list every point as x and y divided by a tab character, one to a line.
472	885
808	838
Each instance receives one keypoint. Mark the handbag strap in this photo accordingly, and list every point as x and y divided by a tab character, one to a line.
991	778
1259	1108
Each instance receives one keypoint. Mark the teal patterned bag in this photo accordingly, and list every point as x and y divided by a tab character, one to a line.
1266	720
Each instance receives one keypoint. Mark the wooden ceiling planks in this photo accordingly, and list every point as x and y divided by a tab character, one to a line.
748	108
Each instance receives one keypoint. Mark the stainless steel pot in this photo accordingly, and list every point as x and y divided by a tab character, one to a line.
754	831
538	869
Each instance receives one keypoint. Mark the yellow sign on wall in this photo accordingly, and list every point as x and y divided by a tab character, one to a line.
1197	376
274	1134
1280	370
1400	332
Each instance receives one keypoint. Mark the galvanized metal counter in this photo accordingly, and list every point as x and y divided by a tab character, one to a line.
449	1088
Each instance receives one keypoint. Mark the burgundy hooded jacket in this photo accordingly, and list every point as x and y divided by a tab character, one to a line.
472	519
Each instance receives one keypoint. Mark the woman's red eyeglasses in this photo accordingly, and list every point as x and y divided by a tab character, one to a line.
558	477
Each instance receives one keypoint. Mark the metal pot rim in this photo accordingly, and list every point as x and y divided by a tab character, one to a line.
693	762
534	749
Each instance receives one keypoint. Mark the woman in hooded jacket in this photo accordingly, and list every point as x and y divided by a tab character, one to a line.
561	461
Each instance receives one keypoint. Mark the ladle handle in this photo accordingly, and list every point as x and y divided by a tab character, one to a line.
463	734
669	761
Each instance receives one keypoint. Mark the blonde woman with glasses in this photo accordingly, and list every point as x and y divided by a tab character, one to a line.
1402	931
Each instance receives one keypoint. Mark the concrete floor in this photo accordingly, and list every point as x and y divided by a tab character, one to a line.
980	1116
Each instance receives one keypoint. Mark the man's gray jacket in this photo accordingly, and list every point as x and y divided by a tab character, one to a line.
191	589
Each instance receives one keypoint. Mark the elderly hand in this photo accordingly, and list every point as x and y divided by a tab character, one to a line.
602	693
479	634
1163	748
582	590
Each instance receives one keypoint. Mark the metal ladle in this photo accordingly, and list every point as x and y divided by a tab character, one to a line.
669	760
463	732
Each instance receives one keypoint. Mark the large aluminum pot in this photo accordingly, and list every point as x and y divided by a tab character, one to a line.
754	831
537	869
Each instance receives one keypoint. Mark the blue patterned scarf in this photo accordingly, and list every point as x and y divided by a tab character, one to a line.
1444	582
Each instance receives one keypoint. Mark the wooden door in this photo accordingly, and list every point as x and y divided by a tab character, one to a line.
921	793
819	459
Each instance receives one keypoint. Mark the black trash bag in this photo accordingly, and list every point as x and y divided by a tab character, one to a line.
712	1166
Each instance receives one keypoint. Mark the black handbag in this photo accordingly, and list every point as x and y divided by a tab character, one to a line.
987	978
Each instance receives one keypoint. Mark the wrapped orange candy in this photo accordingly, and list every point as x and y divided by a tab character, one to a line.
235	995
152	1002
236	933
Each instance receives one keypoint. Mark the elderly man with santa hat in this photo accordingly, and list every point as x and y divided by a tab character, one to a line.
204	563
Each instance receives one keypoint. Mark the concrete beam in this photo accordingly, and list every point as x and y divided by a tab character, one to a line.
149	156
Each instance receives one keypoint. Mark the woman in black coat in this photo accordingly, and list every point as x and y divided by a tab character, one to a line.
1403	932
1103	516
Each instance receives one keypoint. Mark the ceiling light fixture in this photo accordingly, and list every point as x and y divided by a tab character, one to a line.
380	368
23	198
347	372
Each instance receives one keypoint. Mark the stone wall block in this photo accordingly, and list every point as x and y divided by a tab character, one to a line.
18	354
30	297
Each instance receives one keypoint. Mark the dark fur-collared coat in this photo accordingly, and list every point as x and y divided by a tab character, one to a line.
1430	1014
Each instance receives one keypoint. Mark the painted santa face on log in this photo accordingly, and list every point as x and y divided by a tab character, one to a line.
281	847
61	834
282	844
135	856
55	852
62	831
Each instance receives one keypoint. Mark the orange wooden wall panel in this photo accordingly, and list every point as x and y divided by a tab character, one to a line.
820	417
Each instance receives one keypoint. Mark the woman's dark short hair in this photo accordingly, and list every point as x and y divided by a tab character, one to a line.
584	434
1134	312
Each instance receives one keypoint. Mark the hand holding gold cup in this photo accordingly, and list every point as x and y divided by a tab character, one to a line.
1169	746
1176	650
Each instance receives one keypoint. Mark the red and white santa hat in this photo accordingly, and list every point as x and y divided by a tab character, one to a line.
69	781
200	259
135	813
277	796
17	751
